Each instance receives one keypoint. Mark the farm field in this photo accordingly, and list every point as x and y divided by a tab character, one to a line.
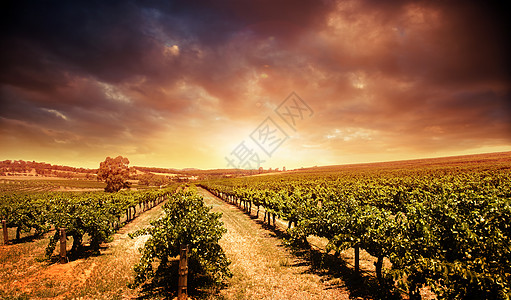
97	225
263	267
200	150
258	249
434	228
405	230
25	274
46	184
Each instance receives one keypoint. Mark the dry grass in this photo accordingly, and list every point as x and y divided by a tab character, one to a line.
291	273
263	267
26	275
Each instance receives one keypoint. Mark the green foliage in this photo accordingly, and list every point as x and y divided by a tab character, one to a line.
151	179
24	211
449	229
115	172
461	246
93	214
80	215
186	221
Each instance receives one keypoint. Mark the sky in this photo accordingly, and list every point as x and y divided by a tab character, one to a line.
218	84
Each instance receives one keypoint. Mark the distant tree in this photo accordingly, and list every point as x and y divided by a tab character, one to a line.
115	172
150	179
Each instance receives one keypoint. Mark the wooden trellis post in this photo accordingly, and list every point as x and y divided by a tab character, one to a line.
63	258
6	234
182	290
357	258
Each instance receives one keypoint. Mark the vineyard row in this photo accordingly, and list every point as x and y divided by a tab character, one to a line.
450	232
96	215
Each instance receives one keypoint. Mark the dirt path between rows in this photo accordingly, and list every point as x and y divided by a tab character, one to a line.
263	268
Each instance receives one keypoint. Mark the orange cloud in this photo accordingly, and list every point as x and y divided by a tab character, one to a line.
176	85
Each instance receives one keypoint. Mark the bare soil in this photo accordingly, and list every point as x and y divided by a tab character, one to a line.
263	267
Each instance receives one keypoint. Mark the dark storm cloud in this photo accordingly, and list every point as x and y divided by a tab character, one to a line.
91	38
473	45
112	40
119	41
438	41
423	73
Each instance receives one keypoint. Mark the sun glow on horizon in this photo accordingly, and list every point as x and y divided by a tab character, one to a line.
183	88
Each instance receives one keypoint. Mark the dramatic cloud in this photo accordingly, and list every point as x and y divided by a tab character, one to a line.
184	83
